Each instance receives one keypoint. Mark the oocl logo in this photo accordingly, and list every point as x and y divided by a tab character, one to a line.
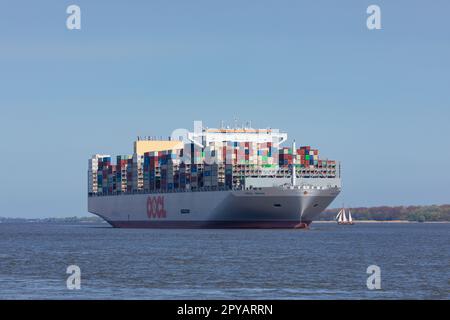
155	207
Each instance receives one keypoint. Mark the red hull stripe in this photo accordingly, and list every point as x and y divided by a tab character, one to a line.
211	224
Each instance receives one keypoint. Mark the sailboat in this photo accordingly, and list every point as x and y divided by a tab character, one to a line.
341	217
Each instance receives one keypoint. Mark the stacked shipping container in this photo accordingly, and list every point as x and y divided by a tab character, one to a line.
305	157
219	164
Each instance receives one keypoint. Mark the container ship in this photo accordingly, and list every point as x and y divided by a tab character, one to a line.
237	177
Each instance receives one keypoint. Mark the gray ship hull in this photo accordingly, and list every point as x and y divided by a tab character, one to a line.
268	207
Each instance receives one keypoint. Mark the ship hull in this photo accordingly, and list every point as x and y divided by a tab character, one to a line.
264	208
209	224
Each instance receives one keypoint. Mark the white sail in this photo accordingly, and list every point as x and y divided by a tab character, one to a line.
338	216
341	216
350	216
344	216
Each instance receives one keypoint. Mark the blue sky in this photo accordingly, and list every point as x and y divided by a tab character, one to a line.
376	100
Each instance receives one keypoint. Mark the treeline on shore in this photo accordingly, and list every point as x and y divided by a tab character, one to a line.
386	213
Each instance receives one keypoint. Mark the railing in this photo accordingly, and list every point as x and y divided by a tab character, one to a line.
333	171
202	189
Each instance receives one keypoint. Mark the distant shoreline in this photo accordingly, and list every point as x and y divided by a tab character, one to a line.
427	213
381	214
381	221
101	221
66	220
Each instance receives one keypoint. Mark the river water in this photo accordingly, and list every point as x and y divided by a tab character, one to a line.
326	262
